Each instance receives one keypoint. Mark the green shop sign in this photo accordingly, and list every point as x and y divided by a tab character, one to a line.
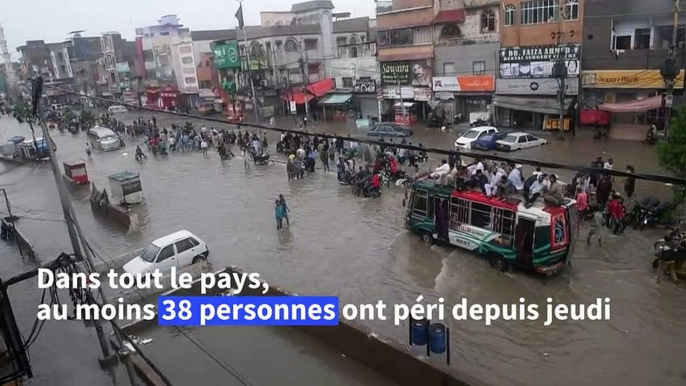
226	55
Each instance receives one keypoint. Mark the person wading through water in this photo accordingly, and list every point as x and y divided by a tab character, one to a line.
278	214
284	209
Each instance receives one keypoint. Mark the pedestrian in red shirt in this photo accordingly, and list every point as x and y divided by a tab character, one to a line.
376	181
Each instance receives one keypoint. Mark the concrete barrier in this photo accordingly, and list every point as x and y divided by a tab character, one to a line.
386	356
21	239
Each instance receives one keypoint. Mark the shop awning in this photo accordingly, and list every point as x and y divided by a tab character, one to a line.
454	15
335	99
633	106
535	105
316	89
395	54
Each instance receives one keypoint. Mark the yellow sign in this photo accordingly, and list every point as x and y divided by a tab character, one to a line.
553	123
649	79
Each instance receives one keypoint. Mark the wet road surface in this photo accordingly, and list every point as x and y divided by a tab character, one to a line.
358	249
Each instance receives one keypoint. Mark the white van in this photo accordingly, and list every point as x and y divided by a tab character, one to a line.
102	138
117	109
178	250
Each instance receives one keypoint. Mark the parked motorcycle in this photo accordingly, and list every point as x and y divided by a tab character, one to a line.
654	214
671	250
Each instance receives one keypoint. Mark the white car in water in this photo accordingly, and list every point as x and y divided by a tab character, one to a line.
471	135
178	250
518	141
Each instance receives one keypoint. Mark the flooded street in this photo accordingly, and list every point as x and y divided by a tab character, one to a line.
358	249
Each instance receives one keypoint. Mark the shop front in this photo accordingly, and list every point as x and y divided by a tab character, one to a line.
406	90
527	95
627	95
464	94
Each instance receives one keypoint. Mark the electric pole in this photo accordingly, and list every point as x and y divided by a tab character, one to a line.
670	71
74	230
560	67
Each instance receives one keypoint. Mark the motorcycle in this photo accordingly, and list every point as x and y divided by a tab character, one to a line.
654	214
639	213
671	250
261	159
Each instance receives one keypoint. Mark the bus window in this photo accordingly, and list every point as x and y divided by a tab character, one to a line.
503	223
459	212
421	203
480	215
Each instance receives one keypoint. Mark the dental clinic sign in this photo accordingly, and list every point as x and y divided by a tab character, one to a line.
227	56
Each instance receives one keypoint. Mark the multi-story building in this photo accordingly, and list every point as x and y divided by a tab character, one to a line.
118	64
203	56
466	43
286	58
536	34
405	44
624	49
356	75
154	48
308	12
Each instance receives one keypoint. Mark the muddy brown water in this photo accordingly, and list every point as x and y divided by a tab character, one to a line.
358	249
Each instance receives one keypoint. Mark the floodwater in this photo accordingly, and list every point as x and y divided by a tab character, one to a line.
358	249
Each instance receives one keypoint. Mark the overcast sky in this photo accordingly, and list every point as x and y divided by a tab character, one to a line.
52	20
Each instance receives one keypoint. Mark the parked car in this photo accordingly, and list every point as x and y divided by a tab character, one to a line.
178	249
488	142
389	130
471	135
116	109
518	141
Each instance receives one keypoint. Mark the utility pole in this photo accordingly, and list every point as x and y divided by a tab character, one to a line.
560	67
75	233
252	86
305	80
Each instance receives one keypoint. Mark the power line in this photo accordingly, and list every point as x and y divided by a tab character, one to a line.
25	177
492	157
206	351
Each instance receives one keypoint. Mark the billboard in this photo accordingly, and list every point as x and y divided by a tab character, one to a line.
538	61
464	83
227	55
123	67
646	79
407	73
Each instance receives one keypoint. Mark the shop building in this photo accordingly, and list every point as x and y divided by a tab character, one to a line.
466	42
535	35
406	55
624	49
356	74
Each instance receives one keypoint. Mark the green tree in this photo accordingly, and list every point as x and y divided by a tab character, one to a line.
672	152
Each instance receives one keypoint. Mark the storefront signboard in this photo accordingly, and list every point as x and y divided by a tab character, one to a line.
535	87
471	83
422	94
226	55
407	73
640	79
538	61
396	92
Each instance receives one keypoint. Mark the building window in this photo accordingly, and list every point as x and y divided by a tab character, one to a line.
572	10
398	37
187	60
190	80
623	42
293	71
310	44
164	33
347	82
642	39
189	70
341	41
479	67
510	11
448	68
353	52
290	46
450	31
488	21
663	37
353	39
60	56
540	11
